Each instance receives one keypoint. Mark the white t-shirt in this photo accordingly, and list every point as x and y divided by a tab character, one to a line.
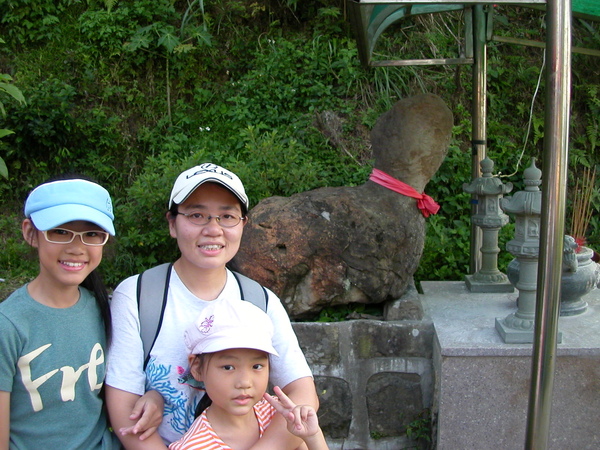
167	369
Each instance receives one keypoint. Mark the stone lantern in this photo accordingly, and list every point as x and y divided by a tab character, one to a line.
526	205
489	217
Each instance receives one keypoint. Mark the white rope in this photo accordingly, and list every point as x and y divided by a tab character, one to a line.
537	88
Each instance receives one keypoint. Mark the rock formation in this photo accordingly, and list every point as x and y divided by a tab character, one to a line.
339	245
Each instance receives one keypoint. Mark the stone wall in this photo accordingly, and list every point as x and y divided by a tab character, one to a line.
374	378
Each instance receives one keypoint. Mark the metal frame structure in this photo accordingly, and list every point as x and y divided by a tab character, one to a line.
370	18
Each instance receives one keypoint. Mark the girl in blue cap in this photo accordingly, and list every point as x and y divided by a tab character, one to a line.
55	329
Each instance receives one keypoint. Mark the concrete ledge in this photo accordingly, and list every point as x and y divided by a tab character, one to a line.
482	384
373	379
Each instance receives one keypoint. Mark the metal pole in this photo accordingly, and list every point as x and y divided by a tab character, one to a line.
479	135
554	173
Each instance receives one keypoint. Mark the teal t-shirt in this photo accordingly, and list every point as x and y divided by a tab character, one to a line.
52	361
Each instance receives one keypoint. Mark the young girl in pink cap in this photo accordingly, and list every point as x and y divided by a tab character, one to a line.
230	346
55	329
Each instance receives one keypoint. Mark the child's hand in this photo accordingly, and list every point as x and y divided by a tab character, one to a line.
302	420
148	411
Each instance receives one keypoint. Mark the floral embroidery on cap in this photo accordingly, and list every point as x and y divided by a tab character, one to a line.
207	324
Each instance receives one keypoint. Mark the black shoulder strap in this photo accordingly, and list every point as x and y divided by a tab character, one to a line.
252	291
151	304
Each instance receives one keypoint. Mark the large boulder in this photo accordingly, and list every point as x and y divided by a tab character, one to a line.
339	245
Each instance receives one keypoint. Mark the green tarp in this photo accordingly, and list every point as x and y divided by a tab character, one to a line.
587	7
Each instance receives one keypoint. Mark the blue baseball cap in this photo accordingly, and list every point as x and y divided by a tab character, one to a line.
58	202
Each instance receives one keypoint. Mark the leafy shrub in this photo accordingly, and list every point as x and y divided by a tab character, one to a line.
53	135
251	101
24	22
142	233
13	244
10	91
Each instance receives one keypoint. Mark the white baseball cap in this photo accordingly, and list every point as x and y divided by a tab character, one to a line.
226	324
190	179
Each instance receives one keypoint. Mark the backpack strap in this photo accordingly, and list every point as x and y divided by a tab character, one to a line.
252	291
151	304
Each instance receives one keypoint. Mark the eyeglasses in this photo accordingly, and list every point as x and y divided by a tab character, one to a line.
62	236
225	220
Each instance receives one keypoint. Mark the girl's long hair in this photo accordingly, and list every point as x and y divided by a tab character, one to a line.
204	403
93	282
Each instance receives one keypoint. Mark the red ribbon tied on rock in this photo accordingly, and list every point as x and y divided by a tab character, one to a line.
426	204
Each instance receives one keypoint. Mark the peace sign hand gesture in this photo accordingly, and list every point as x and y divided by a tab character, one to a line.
302	420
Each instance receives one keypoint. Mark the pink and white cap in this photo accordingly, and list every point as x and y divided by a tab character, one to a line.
227	324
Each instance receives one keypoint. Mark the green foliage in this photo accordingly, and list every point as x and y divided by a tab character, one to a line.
52	134
292	76
18	261
376	435
446	251
132	92
420	429
7	89
27	22
142	230
47	122
339	313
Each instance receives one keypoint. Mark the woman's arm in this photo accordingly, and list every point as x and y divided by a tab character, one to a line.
301	392
129	411
121	406
4	419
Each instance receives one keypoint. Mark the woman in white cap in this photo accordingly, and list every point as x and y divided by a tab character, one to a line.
55	329
207	214
230	346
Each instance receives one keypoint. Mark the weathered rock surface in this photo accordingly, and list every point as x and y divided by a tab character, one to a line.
339	245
